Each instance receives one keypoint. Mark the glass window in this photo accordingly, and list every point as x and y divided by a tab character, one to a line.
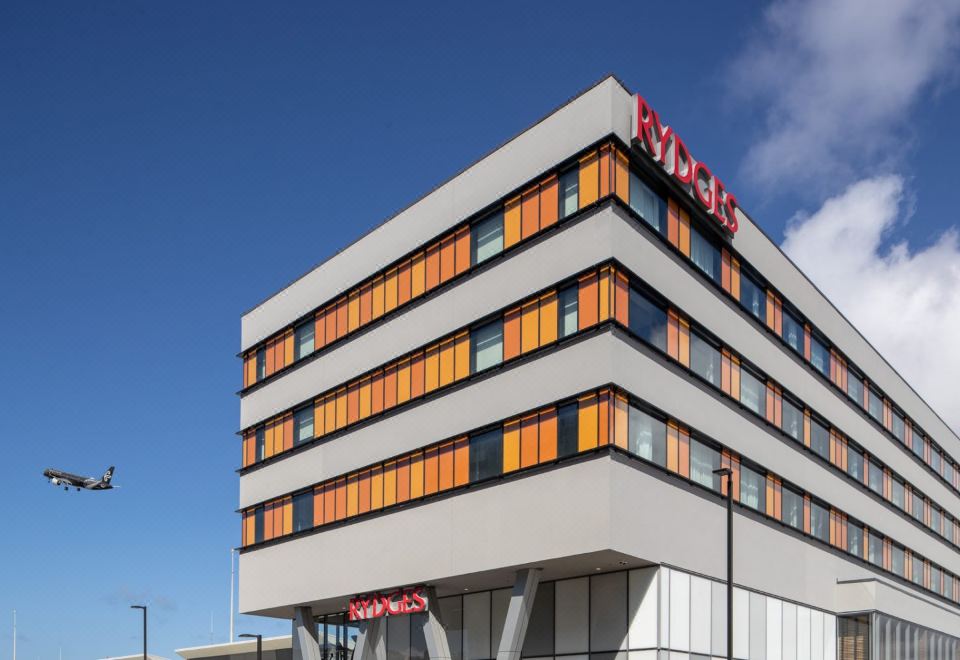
935	579
647	320
303	425
899	430
897	558
793	332
935	458
569	195
819	521
486	455
752	489
876	478
753	298
792	419
567	417
648	436
947	530
705	255
819	439
303	511
261	443
948	470
855	462
855	538
791	508
916	506
704	359
258	525
647	204
819	356
704	459
919	443
303	340
753	393
855	386
917	569
876	405
486	343
898	494
875	549
487	239
935	515
568	311
261	363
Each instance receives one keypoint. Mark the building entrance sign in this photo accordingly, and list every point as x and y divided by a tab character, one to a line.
408	600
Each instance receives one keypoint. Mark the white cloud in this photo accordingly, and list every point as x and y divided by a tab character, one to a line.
836	80
905	301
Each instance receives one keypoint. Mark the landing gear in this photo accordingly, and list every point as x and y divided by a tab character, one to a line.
66	487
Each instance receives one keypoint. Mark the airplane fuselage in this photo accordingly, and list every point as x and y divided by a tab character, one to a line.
68	480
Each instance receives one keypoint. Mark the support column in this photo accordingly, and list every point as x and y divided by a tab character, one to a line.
518	614
438	648
305	643
371	640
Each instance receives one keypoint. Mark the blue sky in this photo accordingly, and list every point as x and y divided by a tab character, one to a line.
165	166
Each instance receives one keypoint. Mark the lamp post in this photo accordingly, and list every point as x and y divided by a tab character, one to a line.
726	473
144	608
259	643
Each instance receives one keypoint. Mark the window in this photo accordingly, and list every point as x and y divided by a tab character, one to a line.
935	585
567	430
303	425
792	419
261	444
855	462
819	521
876	477
935	458
753	298
568	311
486	455
791	508
916	506
704	359
819	356
486	344
898	494
875	549
897	560
704	459
258	525
917	570
855	538
487	239
935	515
648	436
899	430
753	393
855	386
569	195
876	405
819	439
303	340
303	511
918	443
647	320
261	363
947	529
948	470
793	332
647	204
705	255
752	488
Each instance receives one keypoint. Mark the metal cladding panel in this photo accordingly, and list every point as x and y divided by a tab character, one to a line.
597	505
773	264
601	110
519	275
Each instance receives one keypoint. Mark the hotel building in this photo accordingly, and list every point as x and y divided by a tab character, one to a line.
490	428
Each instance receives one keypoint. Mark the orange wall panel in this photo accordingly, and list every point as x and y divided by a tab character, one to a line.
548	318
587	422
589	181
587	303
511	222
530	212
511	446
548	435
549	201
511	334
463	250
529	440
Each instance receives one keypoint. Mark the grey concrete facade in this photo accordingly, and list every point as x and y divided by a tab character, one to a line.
604	512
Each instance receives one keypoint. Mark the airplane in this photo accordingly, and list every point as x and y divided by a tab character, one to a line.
57	478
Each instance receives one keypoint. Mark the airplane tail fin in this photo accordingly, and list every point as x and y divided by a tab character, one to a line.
108	475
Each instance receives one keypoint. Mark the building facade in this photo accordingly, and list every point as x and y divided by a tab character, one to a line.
490	428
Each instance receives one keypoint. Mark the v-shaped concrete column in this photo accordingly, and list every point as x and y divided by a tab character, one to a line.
371	640
305	644
438	648
518	614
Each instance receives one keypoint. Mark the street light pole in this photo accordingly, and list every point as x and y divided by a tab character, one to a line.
144	608
727	473
259	643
